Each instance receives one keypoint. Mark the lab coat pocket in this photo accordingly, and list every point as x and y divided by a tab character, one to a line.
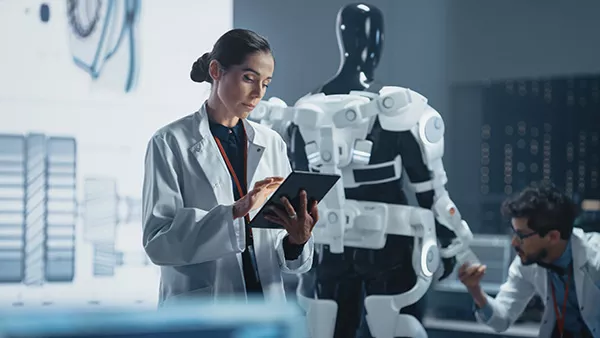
198	297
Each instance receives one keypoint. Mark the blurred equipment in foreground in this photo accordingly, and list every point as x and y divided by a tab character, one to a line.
231	320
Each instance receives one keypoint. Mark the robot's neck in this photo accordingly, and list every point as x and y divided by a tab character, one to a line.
350	76
351	68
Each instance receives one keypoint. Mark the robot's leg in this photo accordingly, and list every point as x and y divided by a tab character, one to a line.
387	271
386	321
320	313
349	297
384	315
331	298
399	281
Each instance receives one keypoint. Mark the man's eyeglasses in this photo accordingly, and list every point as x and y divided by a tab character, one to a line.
521	236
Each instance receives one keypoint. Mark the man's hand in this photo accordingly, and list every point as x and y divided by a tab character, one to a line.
299	224
256	197
470	275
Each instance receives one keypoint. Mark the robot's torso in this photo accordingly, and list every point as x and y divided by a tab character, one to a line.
373	137
368	139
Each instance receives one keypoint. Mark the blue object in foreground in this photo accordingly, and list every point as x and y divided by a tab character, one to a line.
230	320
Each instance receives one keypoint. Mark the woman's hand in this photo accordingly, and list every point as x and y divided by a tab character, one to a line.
256	197
298	224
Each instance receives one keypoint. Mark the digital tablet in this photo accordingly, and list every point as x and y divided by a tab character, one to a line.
316	185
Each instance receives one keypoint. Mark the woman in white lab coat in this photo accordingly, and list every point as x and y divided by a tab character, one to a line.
197	172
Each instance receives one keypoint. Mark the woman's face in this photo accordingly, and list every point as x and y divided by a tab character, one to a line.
242	87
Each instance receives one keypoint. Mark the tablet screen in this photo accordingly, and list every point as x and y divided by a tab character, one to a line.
316	185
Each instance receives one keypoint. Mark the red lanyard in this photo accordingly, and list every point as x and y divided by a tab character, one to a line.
232	172
560	317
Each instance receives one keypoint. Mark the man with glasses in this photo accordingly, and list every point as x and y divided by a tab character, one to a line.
555	260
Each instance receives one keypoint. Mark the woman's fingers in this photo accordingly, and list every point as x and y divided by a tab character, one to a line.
275	219
314	213
288	206
281	215
303	204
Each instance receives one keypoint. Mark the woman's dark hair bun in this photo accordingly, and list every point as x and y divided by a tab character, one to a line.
199	71
231	49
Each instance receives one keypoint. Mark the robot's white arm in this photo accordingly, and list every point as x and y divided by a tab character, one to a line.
401	109
429	133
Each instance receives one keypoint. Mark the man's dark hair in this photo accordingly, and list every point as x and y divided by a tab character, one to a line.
231	49
545	207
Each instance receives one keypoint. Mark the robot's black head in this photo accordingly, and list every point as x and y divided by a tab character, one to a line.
360	34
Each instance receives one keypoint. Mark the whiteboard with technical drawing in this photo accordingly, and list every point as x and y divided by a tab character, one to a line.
84	85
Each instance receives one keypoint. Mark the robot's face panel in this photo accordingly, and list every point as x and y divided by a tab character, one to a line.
242	87
360	31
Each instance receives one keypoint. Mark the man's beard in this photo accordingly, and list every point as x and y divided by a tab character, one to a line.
532	258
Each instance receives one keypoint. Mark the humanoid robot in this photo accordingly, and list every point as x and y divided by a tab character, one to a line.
369	239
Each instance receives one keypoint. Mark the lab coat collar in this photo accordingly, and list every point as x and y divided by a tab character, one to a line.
254	138
206	152
580	252
223	133
579	249
256	147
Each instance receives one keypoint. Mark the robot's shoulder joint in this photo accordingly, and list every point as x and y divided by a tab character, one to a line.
431	125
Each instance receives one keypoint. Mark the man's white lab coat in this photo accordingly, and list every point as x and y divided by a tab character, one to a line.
525	281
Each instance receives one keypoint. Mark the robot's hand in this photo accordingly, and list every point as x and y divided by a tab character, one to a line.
448	264
445	238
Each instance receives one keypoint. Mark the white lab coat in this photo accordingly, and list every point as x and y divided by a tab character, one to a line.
188	227
525	281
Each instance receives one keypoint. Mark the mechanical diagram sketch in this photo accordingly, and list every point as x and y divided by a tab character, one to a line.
39	212
38	209
102	35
